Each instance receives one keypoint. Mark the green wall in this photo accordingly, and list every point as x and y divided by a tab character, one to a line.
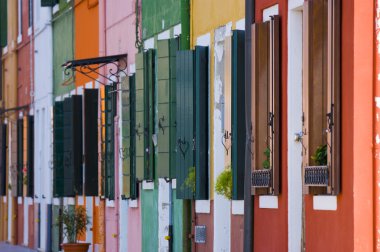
159	15
63	48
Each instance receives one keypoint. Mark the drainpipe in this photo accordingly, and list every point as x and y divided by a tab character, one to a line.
376	158
248	198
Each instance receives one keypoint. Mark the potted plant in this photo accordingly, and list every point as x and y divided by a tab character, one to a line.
74	224
320	155
223	184
190	180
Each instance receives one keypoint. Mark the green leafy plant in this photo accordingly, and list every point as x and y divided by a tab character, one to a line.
74	222
190	179
223	184
320	155
266	162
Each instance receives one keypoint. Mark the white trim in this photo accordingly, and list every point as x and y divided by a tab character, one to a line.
89	85
163	35
202	206
19	38
30	201
238	207
133	203
80	90
19	200
55	8
147	185
4	199
295	4
174	183
240	24
177	30
110	203
149	44
30	29
97	201
56	202
69	201
270	202
5	50
271	11
132	69
327	203
80	200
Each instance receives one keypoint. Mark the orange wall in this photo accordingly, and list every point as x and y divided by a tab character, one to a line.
86	21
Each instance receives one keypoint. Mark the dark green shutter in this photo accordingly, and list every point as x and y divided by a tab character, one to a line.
110	95
184	129
132	109
149	113
166	56
139	117
238	115
30	173
49	3
58	150
20	159
91	141
72	145
3	153
3	23
125	151
201	122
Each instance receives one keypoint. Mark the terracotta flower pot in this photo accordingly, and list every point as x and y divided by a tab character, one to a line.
75	247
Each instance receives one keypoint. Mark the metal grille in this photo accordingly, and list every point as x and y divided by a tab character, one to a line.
200	234
262	178
316	176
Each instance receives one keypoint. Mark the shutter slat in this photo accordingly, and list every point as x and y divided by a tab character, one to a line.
110	108
20	154
91	141
58	149
238	115
132	102
126	137
3	23
77	144
68	159
139	119
30	174
3	154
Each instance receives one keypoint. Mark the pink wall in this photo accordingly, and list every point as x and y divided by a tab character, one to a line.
117	29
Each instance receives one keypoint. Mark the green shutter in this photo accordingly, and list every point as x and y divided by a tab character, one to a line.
125	151
132	109
77	147
110	95
139	122
58	149
184	130
3	23
48	3
149	113
20	159
3	153
30	176
238	115
91	97
166	56
68	167
201	122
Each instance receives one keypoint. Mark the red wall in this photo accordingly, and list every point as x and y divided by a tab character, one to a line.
271	225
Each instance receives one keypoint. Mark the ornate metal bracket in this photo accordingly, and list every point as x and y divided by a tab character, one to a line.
87	67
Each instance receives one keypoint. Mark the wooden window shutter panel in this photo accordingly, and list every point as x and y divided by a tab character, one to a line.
265	107
109	141
149	114
3	23
68	159
201	123
321	95
125	151
139	117
58	149
78	144
3	154
185	127
91	97
238	115
132	103
20	154
30	173
13	161
227	106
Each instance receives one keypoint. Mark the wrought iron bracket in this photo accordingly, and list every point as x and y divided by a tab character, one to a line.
117	66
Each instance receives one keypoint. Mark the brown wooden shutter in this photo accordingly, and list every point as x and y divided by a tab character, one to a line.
321	96
265	107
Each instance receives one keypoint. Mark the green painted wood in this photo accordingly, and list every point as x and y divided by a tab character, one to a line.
20	154
48	3
185	121
132	109
110	112
3	23
149	113
149	219
201	119
68	174
77	147
139	119
159	15
58	149
238	115
63	48
3	163
125	151
166	55
55	230
181	224
30	172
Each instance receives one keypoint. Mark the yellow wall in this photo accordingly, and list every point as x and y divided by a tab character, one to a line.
205	17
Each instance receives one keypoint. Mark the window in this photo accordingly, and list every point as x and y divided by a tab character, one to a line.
192	123
321	97
166	142
265	102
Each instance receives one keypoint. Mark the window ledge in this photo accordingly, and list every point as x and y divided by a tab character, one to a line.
269	202
327	203
202	206
147	185
55	8
5	50
133	204
19	38
238	207
30	30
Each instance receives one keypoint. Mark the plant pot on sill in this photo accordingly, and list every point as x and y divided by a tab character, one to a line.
75	247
